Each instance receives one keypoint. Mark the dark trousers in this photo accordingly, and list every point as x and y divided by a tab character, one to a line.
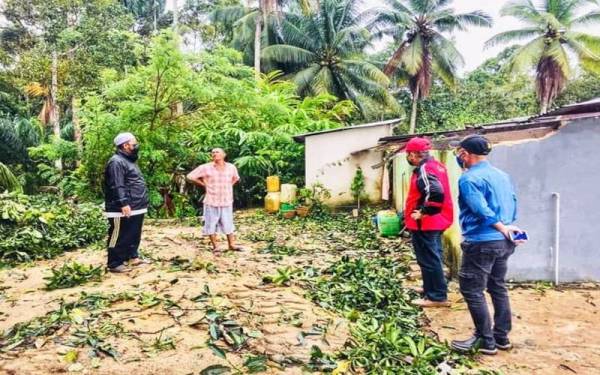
124	235
428	251
484	265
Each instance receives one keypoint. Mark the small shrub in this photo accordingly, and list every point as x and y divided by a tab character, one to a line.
43	226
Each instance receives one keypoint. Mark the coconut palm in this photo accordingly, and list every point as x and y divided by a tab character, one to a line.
418	28
549	30
8	181
322	51
251	26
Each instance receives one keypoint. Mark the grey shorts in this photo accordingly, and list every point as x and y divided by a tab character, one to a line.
218	220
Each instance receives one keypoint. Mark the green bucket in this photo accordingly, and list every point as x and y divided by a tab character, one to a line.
388	223
287	207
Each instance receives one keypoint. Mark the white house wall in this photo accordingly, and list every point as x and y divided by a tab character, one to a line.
329	161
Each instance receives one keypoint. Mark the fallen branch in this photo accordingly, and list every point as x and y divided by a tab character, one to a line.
153	332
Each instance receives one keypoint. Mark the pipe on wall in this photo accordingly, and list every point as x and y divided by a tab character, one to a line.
556	197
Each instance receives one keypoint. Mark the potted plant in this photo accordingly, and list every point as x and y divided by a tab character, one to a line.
303	202
358	189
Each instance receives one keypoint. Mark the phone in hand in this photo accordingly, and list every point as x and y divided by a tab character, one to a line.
519	236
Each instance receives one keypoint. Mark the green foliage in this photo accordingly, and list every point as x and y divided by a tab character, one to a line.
551	43
487	94
358	186
160	344
8	181
223	106
91	329
255	364
99	39
150	15
386	338
421	47
38	227
72	274
192	21
16	135
324	51
283	276
314	197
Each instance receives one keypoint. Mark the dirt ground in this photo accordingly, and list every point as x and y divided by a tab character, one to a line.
236	285
555	332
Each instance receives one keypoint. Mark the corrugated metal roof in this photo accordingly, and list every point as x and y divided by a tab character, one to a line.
301	137
554	119
576	108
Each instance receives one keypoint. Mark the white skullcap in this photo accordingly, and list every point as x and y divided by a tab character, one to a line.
123	138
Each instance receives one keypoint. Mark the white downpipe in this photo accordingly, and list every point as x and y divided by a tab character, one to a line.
556	235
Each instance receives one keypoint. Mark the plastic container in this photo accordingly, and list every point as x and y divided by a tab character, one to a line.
289	214
388	223
272	202
273	184
302	211
288	193
288	210
285	206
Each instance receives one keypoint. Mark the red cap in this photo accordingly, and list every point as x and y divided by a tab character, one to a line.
418	144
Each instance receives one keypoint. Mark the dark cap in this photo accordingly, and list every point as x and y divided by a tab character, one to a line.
476	144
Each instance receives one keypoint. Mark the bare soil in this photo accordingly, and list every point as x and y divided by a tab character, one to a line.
236	284
554	331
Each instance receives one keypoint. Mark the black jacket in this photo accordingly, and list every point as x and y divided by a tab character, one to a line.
124	184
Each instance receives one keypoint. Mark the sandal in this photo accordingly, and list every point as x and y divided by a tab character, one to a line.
138	262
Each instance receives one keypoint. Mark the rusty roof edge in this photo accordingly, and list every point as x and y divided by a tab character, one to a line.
490	128
591	106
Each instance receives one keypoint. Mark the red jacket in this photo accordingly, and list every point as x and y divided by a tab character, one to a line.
429	192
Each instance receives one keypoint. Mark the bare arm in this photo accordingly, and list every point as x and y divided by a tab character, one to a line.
196	177
236	176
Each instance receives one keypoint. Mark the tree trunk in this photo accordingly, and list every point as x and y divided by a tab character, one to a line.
175	16
257	36
155	14
413	113
543	105
54	112
76	125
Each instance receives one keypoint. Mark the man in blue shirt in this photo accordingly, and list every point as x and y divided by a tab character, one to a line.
488	207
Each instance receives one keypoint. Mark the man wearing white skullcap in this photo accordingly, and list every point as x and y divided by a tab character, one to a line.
126	203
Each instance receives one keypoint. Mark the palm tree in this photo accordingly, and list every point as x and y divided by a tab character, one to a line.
8	181
418	28
552	39
323	51
251	26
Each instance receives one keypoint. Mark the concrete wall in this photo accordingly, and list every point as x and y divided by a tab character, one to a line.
329	161
567	162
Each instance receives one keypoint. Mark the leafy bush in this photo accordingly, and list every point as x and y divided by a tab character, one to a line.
73	274
180	107
42	226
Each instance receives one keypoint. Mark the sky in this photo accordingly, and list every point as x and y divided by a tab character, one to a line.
471	43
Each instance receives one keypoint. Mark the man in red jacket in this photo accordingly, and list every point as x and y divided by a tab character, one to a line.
427	213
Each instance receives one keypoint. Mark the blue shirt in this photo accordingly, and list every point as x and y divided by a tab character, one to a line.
486	196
